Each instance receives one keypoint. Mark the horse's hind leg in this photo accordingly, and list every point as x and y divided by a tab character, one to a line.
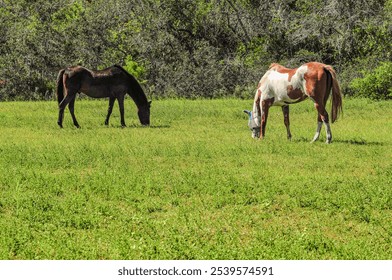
71	108
319	125
62	106
60	119
110	109
322	118
328	131
286	115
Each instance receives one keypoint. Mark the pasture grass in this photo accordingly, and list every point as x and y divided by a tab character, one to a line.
194	185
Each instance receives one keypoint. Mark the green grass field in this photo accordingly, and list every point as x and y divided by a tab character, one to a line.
194	185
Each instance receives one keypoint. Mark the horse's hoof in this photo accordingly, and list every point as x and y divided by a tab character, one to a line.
314	140
60	125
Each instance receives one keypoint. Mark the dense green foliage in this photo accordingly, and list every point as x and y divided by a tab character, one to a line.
187	48
194	185
376	84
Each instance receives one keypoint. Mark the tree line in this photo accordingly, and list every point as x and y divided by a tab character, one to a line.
184	48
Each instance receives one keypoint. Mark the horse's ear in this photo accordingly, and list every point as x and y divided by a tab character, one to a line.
247	112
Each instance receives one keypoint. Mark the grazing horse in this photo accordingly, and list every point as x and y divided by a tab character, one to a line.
281	86
113	82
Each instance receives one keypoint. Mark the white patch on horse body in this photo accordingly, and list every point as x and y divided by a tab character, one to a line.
275	85
298	79
278	84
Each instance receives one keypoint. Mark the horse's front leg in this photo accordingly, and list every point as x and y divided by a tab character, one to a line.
110	109
121	106
264	106
286	116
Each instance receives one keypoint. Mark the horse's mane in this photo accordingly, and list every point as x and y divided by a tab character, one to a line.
276	66
137	92
123	70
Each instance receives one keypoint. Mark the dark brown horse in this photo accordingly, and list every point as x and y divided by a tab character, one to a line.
113	82
281	86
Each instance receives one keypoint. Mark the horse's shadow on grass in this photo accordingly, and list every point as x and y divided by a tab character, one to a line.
359	142
356	142
162	126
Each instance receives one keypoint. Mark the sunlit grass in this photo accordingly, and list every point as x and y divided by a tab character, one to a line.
194	185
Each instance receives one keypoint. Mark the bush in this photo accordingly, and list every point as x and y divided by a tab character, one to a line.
376	85
134	68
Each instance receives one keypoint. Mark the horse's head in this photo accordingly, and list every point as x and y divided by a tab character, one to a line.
144	113
253	124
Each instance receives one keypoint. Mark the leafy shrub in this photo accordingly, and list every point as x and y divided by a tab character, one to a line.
134	68
376	84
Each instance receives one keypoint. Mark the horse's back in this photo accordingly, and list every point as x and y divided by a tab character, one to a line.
105	74
316	70
96	83
311	72
284	84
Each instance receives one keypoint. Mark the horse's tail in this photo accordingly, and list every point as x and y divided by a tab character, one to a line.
60	86
336	93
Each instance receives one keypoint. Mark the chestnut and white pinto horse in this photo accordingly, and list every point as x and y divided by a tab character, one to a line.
281	86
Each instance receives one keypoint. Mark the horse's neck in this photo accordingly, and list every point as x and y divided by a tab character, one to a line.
137	94
255	107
